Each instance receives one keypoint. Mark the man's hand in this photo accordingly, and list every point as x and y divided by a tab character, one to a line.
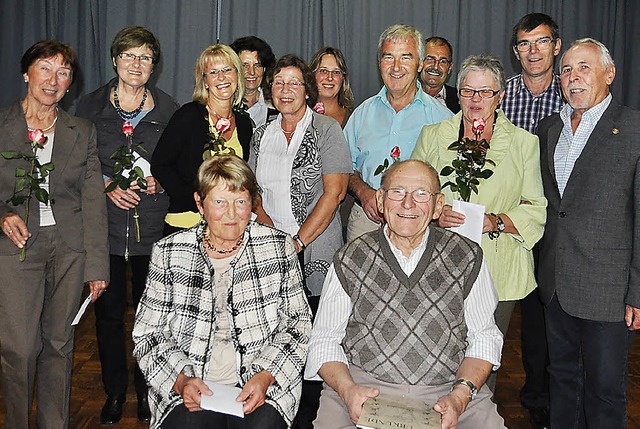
354	398
451	406
367	196
632	317
370	205
97	288
255	391
450	218
191	389
14	227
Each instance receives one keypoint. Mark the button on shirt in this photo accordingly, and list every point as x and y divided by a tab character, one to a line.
524	109
484	340
570	145
375	128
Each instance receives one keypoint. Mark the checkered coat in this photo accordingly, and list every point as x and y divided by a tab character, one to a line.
269	314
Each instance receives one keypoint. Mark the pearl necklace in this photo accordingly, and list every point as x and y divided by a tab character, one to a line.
209	245
49	127
123	113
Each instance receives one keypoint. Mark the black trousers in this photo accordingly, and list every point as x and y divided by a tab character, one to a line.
110	309
535	355
264	417
587	371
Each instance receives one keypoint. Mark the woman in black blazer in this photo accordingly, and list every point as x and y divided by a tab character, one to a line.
186	141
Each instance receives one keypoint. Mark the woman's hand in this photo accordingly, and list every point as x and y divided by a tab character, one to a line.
450	218
97	288
191	389
153	186
14	227
255	391
489	223
124	200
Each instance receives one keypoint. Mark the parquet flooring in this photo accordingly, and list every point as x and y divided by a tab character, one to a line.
87	395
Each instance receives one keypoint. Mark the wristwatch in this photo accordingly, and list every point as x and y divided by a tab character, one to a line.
493	235
500	223
473	390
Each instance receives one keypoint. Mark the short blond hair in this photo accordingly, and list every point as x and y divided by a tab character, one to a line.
212	53
231	170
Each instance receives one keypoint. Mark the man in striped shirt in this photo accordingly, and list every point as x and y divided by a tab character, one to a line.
529	97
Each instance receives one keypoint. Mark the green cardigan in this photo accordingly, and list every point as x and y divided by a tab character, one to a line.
516	178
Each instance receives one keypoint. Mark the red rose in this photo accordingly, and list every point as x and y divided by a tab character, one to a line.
395	153
478	126
223	125
127	128
37	136
319	107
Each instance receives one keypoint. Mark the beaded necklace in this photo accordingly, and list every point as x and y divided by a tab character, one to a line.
209	245
123	113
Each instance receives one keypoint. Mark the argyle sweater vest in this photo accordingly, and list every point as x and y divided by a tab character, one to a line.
408	330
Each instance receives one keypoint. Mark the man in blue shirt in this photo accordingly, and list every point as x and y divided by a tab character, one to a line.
389	122
529	97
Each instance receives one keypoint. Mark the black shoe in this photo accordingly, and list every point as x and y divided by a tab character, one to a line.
540	418
144	414
112	410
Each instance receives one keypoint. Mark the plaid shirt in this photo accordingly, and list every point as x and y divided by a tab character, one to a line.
524	109
269	315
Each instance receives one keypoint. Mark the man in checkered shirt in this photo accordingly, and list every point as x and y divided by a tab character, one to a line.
531	96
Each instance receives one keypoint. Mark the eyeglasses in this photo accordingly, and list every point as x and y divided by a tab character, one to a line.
144	59
442	61
542	43
419	195
293	85
327	72
249	66
470	93
225	72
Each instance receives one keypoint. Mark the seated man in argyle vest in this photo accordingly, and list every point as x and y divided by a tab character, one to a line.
407	310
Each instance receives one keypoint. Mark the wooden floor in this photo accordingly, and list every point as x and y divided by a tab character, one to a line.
87	395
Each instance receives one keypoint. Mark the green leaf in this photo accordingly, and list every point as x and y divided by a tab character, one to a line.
21	183
20	172
112	186
139	173
16	200
47	167
446	170
379	170
465	193
124	184
42	196
9	154
485	174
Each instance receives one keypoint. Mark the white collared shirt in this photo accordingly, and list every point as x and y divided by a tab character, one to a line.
570	145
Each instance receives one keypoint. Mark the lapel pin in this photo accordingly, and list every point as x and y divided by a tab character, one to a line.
615	131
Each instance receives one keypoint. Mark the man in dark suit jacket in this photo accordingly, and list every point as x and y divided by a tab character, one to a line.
438	64
589	269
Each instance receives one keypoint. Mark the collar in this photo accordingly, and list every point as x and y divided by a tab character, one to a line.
420	96
593	114
398	253
554	87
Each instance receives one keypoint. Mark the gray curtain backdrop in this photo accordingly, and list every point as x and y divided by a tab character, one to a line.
186	27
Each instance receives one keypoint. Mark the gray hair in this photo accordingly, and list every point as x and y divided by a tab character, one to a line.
605	55
394	166
480	63
402	32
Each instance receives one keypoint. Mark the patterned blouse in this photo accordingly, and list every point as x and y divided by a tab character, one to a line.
323	150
